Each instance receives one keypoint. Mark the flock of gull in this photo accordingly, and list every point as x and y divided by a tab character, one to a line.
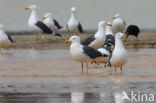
104	47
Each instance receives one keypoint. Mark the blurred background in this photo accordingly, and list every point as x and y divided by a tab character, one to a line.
89	12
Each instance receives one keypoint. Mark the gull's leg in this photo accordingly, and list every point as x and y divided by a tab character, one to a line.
41	38
110	71
87	67
7	50
82	67
121	69
115	69
48	36
36	40
53	37
105	65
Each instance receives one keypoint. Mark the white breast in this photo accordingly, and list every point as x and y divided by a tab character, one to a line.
73	25
76	51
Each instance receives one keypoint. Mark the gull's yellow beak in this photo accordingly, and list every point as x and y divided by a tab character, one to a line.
43	18
67	42
27	8
109	24
124	35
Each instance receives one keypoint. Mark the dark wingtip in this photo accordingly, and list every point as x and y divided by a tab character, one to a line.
56	34
13	41
60	27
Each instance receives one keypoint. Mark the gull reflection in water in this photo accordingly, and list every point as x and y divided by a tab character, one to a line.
121	97
77	97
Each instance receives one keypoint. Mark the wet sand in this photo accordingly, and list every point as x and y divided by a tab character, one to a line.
145	40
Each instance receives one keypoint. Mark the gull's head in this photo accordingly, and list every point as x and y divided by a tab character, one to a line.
102	24
1	27
73	39
73	10
116	16
32	7
47	15
109	24
120	35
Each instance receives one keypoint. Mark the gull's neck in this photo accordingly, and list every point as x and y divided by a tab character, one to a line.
2	32
109	30
75	46
118	44
73	16
33	16
101	31
76	43
49	19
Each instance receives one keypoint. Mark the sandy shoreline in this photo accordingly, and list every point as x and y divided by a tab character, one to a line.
145	40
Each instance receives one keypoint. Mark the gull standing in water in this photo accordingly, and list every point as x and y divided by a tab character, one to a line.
119	55
81	53
35	24
118	24
52	23
74	26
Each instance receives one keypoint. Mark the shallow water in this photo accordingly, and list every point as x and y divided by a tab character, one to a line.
50	76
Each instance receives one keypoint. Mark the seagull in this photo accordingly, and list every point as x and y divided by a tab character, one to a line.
98	39
35	24
82	53
73	25
118	24
132	30
5	39
52	23
110	38
119	55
